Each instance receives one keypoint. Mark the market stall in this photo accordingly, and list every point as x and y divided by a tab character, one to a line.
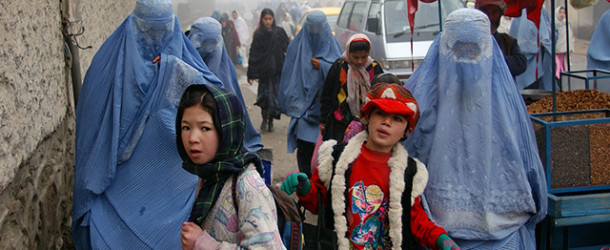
573	135
572	129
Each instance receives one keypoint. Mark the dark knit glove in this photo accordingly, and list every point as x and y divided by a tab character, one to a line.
445	243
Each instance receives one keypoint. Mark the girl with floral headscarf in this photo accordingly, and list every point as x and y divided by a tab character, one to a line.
346	84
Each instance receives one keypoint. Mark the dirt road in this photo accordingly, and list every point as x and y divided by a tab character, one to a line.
283	163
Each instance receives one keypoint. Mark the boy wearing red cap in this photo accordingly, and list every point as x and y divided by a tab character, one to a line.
370	186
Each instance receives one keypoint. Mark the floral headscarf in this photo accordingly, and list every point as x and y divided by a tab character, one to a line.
358	82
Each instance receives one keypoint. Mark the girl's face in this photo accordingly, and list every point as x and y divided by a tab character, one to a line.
199	135
562	14
358	58
385	130
267	21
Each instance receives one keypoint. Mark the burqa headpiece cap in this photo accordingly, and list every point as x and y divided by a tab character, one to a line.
315	21
153	9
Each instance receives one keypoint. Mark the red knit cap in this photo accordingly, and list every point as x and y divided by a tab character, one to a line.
392	99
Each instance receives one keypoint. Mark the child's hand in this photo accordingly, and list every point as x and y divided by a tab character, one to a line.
296	182
445	243
189	234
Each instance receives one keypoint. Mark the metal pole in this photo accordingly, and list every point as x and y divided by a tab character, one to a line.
568	42
553	43
440	17
75	69
567	34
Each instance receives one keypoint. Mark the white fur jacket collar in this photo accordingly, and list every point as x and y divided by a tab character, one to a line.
397	163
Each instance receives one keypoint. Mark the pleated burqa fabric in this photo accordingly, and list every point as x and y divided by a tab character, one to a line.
301	84
486	185
130	191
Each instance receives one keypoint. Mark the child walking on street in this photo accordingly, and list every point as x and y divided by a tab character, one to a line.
346	84
370	186
209	135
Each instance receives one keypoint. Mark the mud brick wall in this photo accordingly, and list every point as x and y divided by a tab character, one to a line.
37	117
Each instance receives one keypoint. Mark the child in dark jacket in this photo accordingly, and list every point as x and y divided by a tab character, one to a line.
345	87
373	179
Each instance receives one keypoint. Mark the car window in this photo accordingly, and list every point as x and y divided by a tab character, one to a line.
344	16
396	20
373	19
426	17
332	21
357	17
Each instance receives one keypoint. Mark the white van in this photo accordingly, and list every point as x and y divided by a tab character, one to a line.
386	23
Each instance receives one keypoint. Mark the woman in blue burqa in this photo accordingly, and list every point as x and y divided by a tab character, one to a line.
486	182
598	53
308	58
206	37
539	73
130	191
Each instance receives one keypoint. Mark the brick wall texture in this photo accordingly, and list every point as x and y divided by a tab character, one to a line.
37	116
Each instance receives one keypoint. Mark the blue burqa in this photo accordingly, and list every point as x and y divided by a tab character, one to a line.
526	33
130	191
598	53
206	37
486	183
301	84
